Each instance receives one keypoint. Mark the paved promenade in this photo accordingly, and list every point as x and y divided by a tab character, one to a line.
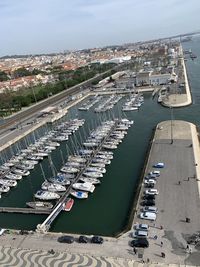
179	100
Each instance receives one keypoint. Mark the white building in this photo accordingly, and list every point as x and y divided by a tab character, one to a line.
150	78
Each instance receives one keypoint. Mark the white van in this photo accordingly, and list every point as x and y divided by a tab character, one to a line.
148	215
150	209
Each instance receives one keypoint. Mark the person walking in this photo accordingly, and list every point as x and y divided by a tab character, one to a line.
161	244
135	250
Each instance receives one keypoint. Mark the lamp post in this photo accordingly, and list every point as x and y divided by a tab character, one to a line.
171	111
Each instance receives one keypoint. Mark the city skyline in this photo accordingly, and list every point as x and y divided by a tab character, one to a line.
49	26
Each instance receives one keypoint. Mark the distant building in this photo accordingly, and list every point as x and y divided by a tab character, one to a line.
149	78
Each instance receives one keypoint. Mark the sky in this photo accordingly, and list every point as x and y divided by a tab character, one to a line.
44	26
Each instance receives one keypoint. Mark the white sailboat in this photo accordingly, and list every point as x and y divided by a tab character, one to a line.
46	195
88	187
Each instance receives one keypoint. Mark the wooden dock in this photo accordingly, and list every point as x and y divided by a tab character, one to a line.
24	210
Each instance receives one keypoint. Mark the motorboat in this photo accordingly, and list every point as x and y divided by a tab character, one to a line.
104	156
95	169
109	146
69	169
129	108
13	176
77	159
88	187
32	162
98	160
90	180
59	179
53	187
4	168
4	188
93	174
74	164
46	195
34	157
85	152
40	205
21	172
22	166
126	121
8	164
79	194
68	204
41	154
105	153
7	182
100	165
67	176
60	138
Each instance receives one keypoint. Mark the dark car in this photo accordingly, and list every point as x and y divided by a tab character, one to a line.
149	202
66	239
149	185
83	239
140	243
97	240
149	197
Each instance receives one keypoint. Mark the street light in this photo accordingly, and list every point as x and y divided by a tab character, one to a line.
171	113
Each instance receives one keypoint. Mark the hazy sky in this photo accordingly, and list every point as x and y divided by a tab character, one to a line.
36	26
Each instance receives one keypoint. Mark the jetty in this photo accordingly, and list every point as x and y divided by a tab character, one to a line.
24	210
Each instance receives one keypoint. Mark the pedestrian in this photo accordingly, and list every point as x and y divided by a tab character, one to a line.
179	182
148	260
188	178
162	254
135	250
161	227
155	237
161	244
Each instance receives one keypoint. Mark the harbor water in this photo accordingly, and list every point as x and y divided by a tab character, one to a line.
107	210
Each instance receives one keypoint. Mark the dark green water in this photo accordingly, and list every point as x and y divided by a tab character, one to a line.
106	211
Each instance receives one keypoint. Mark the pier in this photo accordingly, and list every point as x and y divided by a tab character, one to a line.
24	210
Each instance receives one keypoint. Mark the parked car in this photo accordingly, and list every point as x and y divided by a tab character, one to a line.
66	239
140	243
148	202
149	185
159	165
150	181
156	173
150	209
149	197
97	240
151	191
139	234
148	216
83	239
141	226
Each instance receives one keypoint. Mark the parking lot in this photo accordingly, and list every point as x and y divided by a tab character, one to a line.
177	200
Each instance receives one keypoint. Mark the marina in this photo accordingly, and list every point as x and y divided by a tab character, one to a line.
121	171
